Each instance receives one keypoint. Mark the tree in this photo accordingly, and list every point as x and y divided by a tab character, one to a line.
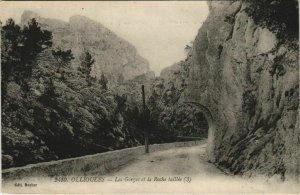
10	54
34	41
86	64
86	67
11	35
19	48
121	102
63	57
279	16
103	82
49	98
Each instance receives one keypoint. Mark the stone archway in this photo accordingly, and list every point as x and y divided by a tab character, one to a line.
211	129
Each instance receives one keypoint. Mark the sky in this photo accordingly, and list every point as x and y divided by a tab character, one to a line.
158	29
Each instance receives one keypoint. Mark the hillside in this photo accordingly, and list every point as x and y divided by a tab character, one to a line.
53	110
238	87
117	59
245	70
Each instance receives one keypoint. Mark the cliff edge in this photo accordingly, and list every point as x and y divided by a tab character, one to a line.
248	79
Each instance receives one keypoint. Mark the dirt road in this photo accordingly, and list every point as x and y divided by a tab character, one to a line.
191	162
184	161
178	170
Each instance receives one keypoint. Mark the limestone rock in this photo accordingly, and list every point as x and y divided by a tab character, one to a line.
250	84
114	57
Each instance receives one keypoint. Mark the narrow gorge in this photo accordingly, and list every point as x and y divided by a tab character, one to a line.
238	87
246	75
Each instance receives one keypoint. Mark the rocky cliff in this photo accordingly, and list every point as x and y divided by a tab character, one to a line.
117	59
248	79
49	109
61	116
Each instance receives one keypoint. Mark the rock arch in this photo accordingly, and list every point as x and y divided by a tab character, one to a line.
211	129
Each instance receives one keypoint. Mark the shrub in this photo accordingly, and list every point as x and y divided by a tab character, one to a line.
279	16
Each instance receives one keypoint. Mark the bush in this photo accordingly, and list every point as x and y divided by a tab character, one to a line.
279	16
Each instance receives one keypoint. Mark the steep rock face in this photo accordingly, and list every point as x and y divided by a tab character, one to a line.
178	120
132	89
60	116
117	59
250	84
58	112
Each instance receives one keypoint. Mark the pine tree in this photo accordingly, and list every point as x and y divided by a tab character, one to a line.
63	57
86	64
279	16
19	49
49	98
10	54
34	41
103	82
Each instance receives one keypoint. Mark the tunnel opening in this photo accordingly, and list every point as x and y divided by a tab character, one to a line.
190	122
186	121
208	123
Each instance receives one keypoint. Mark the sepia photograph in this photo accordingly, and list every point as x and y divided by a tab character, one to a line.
150	97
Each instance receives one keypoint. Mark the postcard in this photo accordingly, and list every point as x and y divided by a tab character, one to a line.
150	97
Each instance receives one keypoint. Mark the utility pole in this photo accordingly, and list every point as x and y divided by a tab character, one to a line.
146	134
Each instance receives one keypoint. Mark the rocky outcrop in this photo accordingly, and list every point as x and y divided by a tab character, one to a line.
60	116
117	59
178	120
249	81
57	112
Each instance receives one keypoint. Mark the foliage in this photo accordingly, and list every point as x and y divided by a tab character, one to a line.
86	64
121	102
103	82
34	40
11	37
63	57
56	118
249	102
168	117
279	16
19	49
10	55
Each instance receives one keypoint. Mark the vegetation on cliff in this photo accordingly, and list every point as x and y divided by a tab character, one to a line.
246	73
279	16
167	109
116	58
51	110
